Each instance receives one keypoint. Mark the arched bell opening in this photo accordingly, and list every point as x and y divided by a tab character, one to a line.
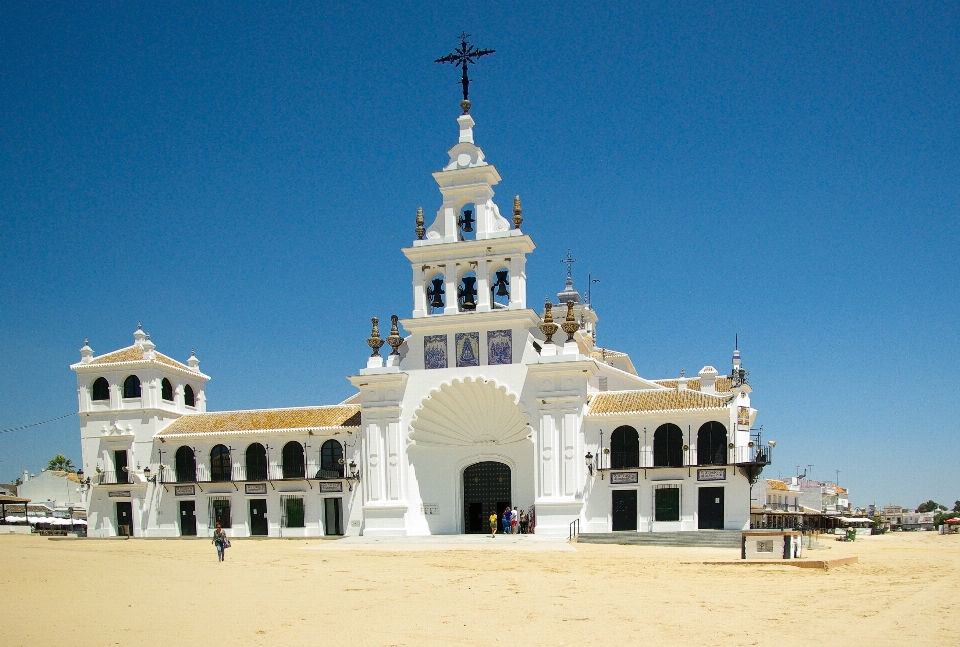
436	294
467	222
467	292
500	287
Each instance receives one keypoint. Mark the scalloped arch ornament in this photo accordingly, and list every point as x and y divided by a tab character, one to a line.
469	412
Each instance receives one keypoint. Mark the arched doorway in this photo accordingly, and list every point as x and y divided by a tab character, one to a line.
486	490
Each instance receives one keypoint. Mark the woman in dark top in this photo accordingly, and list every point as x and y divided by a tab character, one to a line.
220	540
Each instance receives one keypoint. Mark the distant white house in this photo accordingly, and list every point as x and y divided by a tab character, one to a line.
61	489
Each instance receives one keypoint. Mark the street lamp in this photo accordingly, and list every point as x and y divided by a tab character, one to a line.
589	459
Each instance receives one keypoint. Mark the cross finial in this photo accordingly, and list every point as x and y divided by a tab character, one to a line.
464	55
569	260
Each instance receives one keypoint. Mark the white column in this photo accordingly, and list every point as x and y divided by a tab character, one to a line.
483	286
569	471
547	452
451	283
373	448
518	283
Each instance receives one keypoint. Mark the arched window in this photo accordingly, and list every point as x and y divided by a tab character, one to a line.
435	294
256	462
131	387
101	389
624	448
467	292
220	463
293	465
500	288
188	398
166	390
331	460
712	444
186	464
668	446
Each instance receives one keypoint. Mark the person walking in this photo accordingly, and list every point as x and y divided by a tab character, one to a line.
493	524
514	521
220	541
506	520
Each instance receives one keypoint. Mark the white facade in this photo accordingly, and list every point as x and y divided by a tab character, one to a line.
473	410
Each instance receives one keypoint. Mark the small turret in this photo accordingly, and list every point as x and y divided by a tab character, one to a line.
86	353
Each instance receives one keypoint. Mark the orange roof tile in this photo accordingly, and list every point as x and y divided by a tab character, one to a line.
135	354
653	400
301	418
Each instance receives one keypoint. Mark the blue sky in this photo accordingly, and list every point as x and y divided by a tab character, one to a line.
240	178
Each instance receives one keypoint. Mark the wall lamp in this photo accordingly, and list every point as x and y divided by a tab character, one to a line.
146	475
354	474
589	459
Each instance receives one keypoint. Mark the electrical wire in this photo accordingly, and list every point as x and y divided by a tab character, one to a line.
36	424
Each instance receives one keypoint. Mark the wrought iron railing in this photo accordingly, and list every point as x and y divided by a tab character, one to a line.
644	459
112	478
241	473
755	453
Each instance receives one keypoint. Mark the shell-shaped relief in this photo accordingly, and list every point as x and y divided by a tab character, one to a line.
469	412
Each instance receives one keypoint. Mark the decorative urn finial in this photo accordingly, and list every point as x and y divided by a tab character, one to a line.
548	328
570	324
394	340
374	341
517	212
420	230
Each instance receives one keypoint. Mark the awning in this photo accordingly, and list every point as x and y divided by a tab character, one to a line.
854	520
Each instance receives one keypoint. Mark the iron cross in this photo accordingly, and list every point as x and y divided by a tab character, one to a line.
462	56
569	260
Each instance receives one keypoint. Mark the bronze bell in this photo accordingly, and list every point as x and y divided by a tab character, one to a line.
468	292
436	293
466	221
502	284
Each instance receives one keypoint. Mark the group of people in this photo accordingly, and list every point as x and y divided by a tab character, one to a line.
513	522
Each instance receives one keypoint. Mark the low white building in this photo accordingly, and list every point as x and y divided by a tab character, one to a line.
58	488
484	403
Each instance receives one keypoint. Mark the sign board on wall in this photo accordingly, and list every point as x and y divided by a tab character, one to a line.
430	508
119	494
620	478
743	417
711	475
331	487
255	488
183	490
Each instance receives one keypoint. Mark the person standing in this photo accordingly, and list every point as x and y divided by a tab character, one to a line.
493	524
514	521
220	541
523	522
506	520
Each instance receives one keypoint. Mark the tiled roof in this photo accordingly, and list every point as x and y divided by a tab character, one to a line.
723	383
302	418
774	484
135	354
653	400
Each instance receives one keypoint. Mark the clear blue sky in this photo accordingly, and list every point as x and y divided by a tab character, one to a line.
240	178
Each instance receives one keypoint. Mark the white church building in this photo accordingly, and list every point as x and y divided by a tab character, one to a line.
485	403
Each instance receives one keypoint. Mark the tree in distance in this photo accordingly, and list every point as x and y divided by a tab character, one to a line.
61	463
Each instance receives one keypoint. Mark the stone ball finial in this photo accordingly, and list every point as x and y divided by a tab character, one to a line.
374	341
465	106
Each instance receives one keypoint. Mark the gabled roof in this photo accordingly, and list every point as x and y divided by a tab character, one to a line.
614	402
264	420
135	354
774	484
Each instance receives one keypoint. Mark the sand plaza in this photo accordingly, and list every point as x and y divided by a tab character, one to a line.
472	590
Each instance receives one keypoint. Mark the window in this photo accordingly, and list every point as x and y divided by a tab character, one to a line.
666	499
101	390
331	460
220	463
256	462
668	446
624	448
293	465
131	387
166	390
186	465
712	444
292	515
219	512
188	397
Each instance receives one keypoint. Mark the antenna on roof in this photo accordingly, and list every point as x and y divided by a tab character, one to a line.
736	341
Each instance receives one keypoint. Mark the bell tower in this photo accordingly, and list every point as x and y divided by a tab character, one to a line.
469	259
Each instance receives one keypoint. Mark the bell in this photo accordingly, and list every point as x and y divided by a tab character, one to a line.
436	293
468	293
502	285
466	221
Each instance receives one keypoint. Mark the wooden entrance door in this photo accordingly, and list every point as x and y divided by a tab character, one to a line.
188	519
486	490
258	517
124	518
333	516
710	508
624	509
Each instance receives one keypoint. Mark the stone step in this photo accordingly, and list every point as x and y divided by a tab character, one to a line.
709	538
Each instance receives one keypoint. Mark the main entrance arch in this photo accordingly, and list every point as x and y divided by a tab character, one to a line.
486	490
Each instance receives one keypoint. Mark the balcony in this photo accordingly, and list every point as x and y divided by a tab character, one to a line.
113	478
645	460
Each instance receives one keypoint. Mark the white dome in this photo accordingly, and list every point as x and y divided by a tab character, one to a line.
470	412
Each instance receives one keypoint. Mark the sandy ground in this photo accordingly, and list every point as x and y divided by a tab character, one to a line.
904	590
